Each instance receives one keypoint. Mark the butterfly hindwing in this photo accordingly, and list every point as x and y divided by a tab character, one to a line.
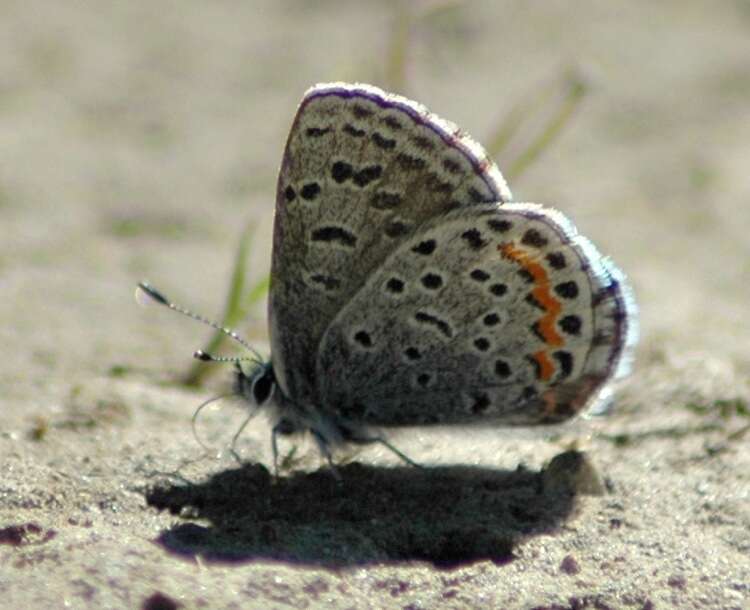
488	312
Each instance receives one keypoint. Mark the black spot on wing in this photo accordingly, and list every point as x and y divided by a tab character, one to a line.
393	123
425	247
491	319
423	143
351	130
310	191
571	325
326	281
396	228
438	323
334	234
317	132
481	402
367	175
476	196
432	281
565	360
361	112
498	289
451	166
382	142
412	353
499	226
435	185
410	163
394	285
479	275
534	238
482	344
473	239
532	300
341	171
556	260
502	369
567	290
363	338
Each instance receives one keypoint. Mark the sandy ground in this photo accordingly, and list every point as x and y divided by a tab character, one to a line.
138	138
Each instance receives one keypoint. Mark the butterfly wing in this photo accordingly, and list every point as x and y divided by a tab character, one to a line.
362	170
497	312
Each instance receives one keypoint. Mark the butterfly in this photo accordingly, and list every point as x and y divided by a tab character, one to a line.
407	289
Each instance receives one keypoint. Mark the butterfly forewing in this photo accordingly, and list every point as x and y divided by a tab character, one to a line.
488	312
362	171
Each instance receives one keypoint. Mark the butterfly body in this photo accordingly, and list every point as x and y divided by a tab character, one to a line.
407	290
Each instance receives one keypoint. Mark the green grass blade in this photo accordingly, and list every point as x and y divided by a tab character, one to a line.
576	89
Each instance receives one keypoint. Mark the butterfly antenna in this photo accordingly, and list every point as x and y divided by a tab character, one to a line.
159	298
206	357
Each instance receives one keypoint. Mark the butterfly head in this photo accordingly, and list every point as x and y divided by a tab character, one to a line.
254	379
255	383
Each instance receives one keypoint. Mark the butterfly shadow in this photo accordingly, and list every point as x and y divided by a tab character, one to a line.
448	515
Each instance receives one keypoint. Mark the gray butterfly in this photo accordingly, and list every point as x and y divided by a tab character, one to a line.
407	290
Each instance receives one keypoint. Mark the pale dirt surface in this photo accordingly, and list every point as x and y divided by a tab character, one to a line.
138	138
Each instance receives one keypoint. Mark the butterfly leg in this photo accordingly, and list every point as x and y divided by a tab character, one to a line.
400	454
283	427
232	448
323	447
359	439
275	448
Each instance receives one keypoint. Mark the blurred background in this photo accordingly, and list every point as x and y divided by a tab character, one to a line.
140	140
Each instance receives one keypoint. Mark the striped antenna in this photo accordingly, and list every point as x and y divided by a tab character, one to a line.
145	293
206	357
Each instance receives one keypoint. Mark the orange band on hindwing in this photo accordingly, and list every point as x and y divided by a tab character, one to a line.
543	296
546	368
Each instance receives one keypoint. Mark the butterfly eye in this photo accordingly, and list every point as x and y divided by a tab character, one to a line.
262	387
